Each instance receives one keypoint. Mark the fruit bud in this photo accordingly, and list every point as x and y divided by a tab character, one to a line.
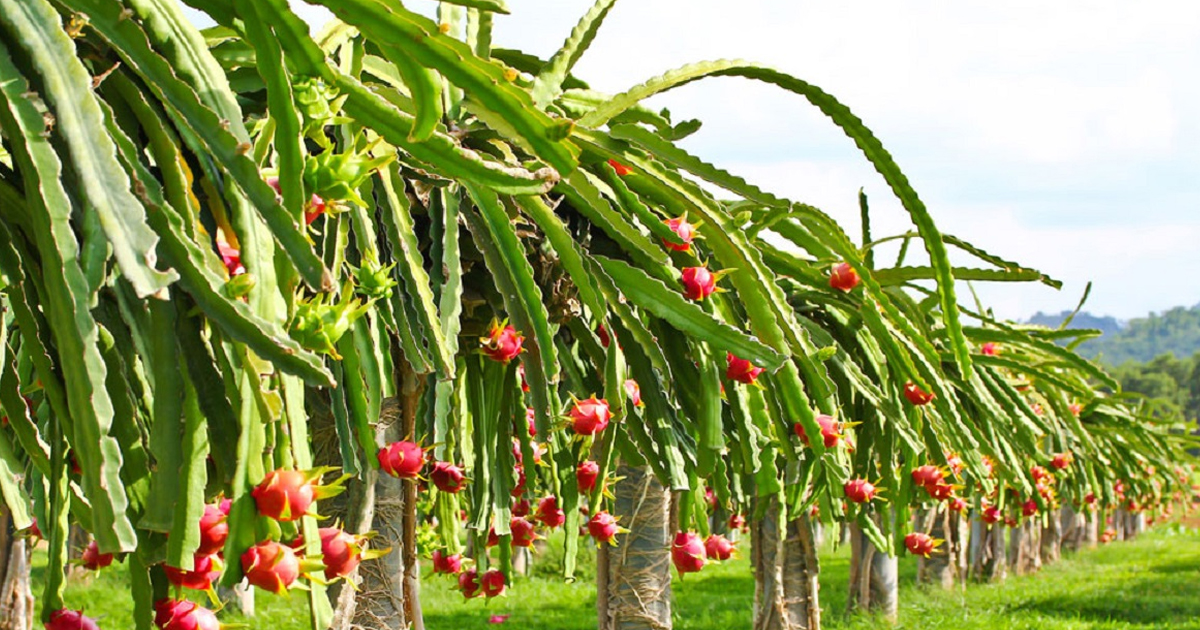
621	169
843	277
916	395
686	232
741	370
634	392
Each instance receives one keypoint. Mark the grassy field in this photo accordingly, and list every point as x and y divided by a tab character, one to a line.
1153	582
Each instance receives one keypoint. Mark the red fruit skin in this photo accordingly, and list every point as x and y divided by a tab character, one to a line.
502	344
698	283
403	460
520	508
586	474
340	552
200	578
177	614
602	333
940	491
991	514
64	619
1075	408
468	583
590	416
919	544
716	547
522	532
531	421
602	527
33	531
634	392
447	477
990	349
830	434
1062	461
741	370
737	521
859	490
915	395
686	232
957	504
1029	508
549	514
270	566
843	277
710	498
492	583
284	495
93	560
446	564
927	476
232	259
1038	473
620	168
213	531
687	553
955	463
1090	498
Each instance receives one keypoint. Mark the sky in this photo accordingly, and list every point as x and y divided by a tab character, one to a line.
1063	135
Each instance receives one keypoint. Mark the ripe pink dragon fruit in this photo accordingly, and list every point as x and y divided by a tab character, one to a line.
920	544
687	552
549	514
445	563
468	583
717	547
830	431
503	343
603	527
492	583
341	552
698	283
957	504
214	530
927	475
590	416
93	560
285	495
991	514
403	459
586	474
271	566
180	614
1029	507
520	507
447	477
859	490
522	532
64	619
200	578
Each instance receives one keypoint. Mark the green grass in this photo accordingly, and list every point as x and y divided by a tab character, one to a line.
1153	582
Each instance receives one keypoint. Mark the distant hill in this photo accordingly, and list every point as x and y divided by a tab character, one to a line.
1175	332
